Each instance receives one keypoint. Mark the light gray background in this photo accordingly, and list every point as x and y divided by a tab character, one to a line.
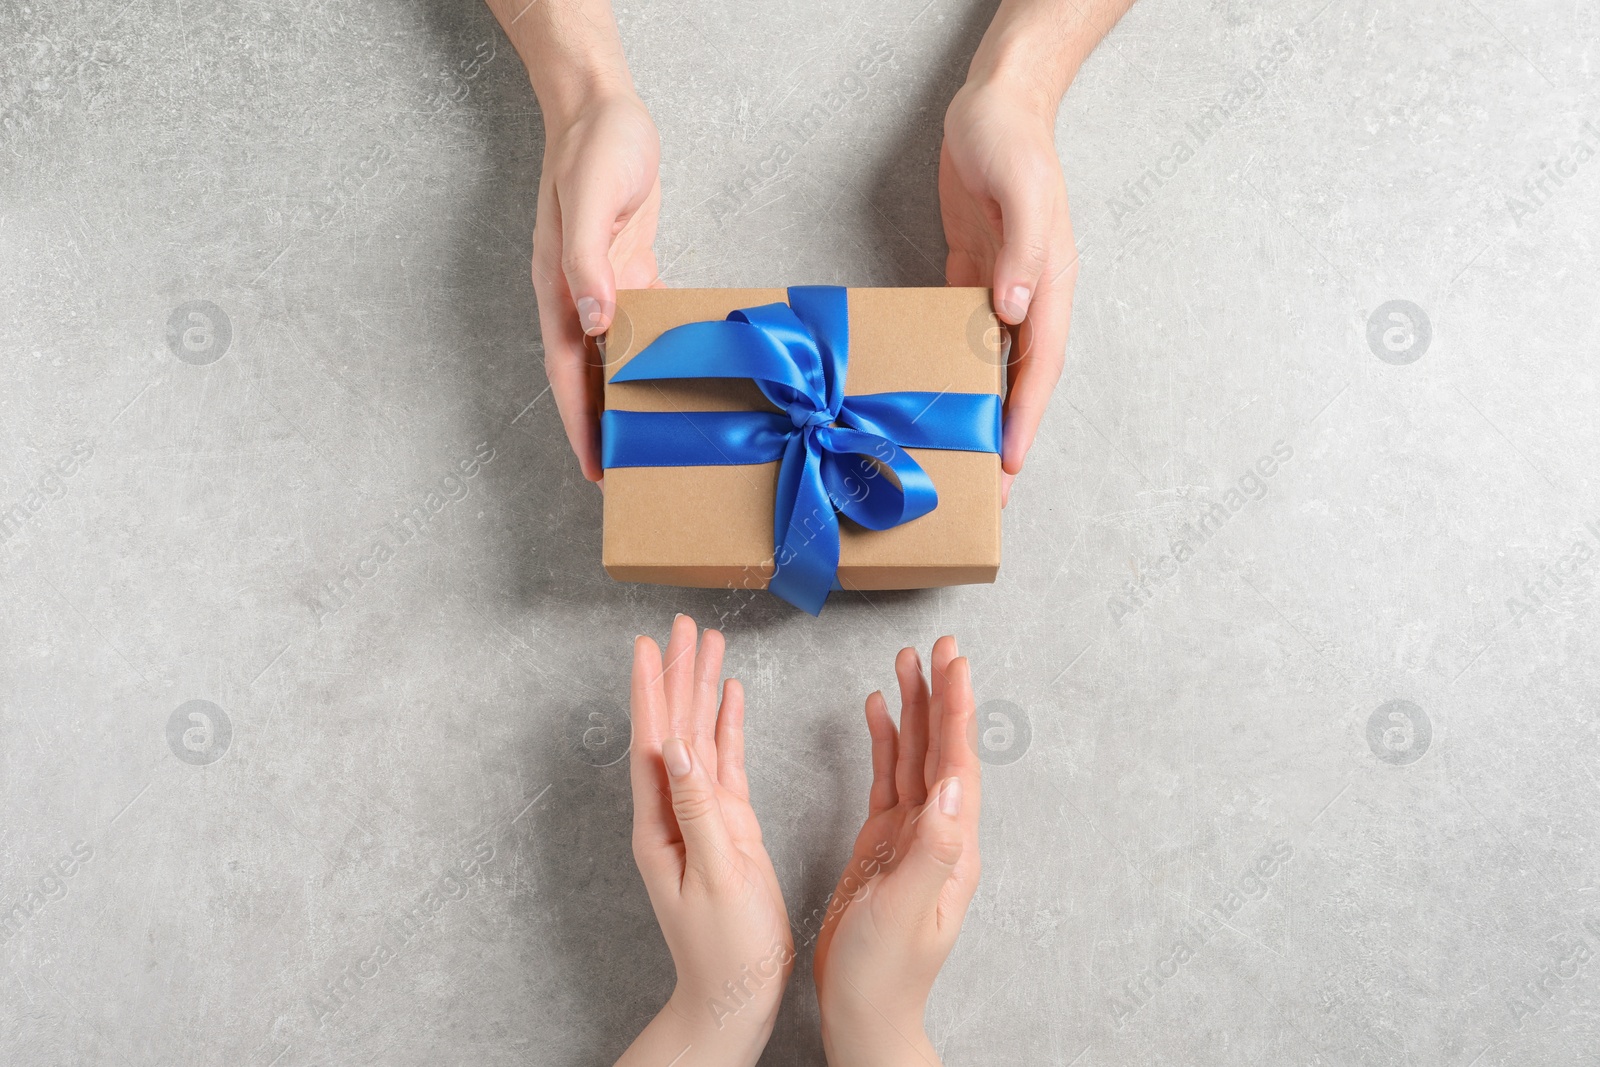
352	184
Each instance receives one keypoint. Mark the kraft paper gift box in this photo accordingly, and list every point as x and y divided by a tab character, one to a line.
673	518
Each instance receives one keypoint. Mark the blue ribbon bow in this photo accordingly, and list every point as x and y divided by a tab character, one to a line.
834	447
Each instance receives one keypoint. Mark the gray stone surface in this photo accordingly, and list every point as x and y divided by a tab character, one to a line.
350	188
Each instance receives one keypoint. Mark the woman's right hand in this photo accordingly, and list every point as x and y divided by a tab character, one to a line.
895	914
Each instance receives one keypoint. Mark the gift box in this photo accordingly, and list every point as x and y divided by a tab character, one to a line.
803	440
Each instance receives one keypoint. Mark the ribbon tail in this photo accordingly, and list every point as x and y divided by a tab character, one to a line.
805	534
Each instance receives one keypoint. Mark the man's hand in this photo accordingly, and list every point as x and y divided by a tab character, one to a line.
599	194
599	201
1006	222
1003	197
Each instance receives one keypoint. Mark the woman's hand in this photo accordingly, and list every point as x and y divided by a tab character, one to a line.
1004	204
897	909
599	202
698	846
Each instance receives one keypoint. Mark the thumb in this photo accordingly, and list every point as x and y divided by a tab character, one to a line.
707	848
586	232
1025	211
934	851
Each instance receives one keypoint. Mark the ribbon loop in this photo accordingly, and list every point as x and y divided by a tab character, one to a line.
838	454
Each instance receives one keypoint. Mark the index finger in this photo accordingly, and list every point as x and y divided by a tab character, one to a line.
652	793
912	748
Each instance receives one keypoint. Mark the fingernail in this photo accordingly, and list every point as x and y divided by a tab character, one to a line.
950	797
1014	304
589	316
676	756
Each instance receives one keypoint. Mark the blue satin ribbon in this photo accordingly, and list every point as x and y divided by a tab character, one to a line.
834	448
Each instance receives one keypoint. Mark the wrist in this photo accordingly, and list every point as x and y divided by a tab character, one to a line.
571	50
1011	66
564	96
877	1044
858	1032
687	1039
729	1012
